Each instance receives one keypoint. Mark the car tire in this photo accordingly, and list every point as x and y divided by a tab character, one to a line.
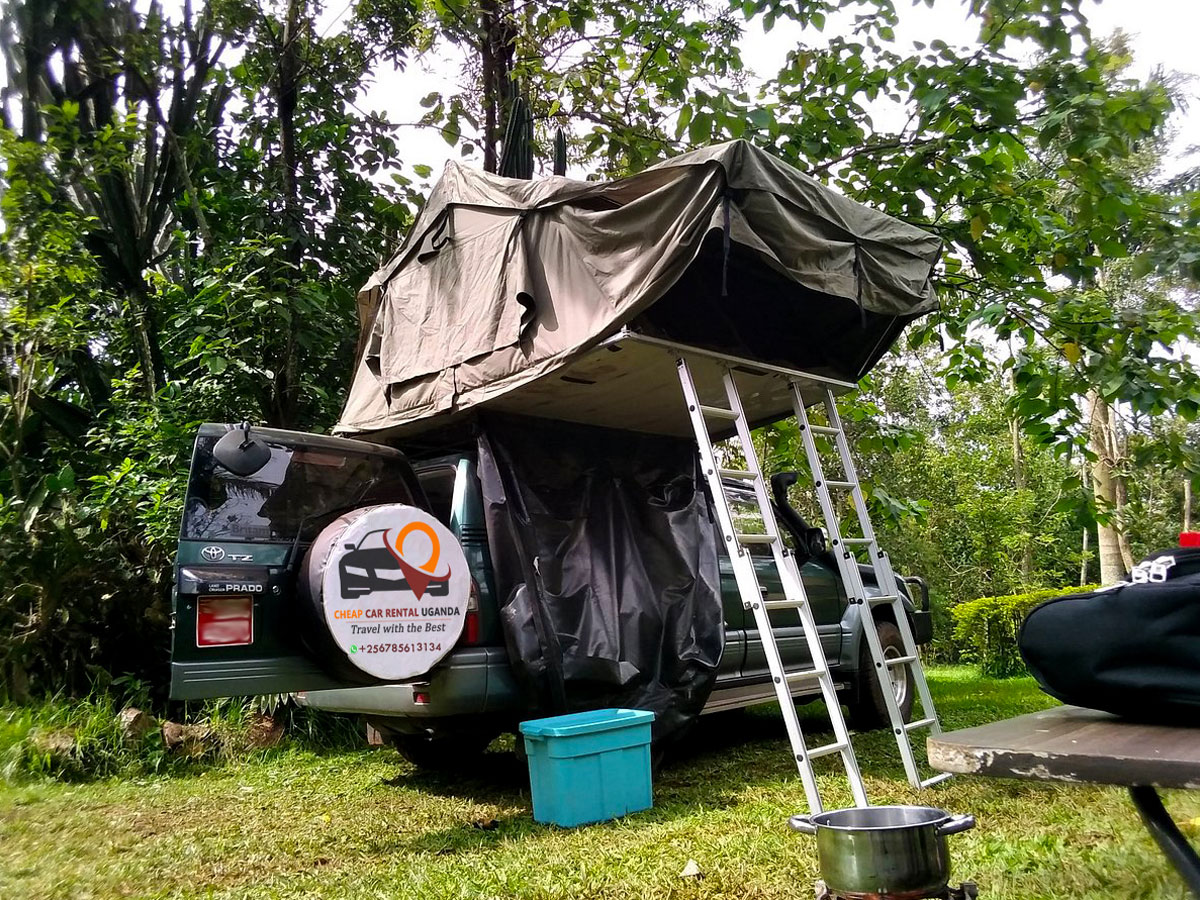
868	709
451	753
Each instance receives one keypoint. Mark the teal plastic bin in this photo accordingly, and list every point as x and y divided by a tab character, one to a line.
589	766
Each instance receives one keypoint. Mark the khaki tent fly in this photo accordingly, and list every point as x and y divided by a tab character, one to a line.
559	298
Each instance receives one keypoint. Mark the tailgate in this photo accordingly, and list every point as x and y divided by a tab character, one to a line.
239	624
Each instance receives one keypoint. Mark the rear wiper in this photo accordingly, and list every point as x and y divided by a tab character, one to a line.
333	510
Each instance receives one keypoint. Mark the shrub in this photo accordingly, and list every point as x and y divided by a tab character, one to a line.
986	629
84	739
76	740
85	561
944	648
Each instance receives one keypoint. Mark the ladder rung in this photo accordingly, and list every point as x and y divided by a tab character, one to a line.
835	747
900	660
857	542
884	598
839	484
937	779
782	604
744	538
718	412
920	723
824	429
737	473
806	674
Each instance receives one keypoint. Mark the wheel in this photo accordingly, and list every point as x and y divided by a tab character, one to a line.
868	709
457	753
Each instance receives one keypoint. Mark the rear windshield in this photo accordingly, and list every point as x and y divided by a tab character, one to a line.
300	490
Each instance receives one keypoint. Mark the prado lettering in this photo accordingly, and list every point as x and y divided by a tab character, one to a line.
395	555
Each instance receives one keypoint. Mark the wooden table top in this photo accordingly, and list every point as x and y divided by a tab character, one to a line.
1071	744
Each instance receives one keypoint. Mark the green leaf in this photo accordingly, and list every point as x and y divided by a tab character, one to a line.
933	98
685	116
761	117
1143	265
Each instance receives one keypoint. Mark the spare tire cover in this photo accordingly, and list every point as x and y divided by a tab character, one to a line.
391	585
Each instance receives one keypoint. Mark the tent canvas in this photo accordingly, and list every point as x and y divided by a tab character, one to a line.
515	294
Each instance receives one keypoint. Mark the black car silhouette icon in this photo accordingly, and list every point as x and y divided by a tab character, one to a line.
370	566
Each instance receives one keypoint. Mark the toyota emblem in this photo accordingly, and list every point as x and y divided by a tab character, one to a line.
213	554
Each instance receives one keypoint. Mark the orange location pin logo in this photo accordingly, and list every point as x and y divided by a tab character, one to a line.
418	577
435	545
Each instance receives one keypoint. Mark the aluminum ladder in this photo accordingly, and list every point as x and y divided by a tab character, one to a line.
885	578
737	545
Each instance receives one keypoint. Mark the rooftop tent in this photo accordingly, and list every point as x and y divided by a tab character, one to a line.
549	297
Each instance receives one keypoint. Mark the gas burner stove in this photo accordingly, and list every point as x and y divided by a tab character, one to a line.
965	891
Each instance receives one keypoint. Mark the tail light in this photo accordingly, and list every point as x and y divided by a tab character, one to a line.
470	632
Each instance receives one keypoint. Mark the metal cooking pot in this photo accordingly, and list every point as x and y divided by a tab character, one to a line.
892	850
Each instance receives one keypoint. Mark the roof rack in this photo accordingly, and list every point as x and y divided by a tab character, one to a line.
628	381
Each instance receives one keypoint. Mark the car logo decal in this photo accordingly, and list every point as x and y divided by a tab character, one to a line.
212	553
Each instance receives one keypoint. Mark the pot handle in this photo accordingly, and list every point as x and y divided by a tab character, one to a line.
955	824
804	824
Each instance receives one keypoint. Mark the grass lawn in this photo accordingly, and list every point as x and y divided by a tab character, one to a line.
364	824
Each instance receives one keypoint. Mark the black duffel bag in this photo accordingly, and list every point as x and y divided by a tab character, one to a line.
1132	649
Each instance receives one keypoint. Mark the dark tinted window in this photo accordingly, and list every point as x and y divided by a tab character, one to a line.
438	484
299	489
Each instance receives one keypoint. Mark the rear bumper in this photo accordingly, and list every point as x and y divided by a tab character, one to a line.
202	679
471	681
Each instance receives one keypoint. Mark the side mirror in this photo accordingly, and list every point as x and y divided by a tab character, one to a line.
815	538
780	482
241	454
351	547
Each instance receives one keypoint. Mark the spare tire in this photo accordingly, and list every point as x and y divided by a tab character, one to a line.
385	589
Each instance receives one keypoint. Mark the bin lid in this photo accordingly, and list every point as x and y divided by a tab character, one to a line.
586	722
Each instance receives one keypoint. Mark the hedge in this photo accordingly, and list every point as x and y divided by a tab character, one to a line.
986	629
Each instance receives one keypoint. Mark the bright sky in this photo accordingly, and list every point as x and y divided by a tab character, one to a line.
1163	32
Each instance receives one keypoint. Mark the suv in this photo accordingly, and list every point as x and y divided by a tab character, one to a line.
242	537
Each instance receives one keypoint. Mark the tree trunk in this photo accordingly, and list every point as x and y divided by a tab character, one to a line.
488	73
1104	490
185	174
286	380
497	44
1117	453
1083	557
139	310
1085	552
1018	454
1187	504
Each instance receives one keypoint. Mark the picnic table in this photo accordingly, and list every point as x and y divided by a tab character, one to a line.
1085	746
